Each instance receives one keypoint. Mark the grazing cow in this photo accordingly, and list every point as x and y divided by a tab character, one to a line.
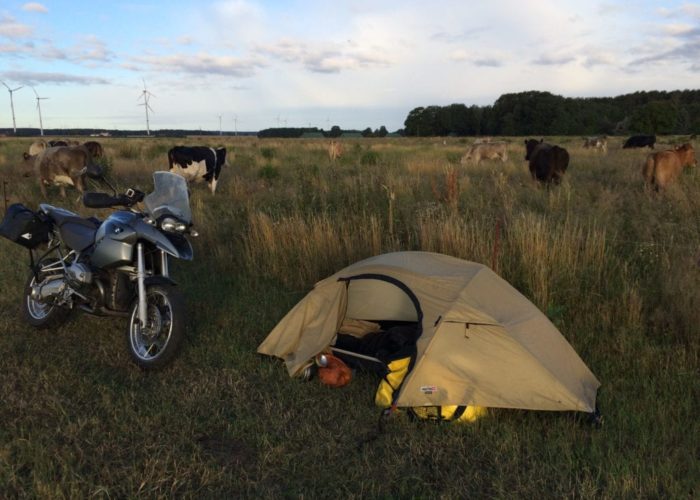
489	151
663	167
482	140
95	149
640	141
61	166
600	143
55	144
37	147
335	150
198	163
547	162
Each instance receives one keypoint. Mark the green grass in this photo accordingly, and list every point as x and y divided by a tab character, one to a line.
615	268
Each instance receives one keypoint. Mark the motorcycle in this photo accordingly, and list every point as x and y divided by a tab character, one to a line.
115	267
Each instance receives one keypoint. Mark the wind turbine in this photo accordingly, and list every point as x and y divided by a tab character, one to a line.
219	124
38	106
146	95
235	125
12	105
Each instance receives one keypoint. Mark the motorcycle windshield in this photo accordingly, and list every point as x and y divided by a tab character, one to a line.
169	197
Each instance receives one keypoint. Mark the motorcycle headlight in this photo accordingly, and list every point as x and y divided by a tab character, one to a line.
173	225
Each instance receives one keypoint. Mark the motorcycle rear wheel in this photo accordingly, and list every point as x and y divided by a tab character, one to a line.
154	346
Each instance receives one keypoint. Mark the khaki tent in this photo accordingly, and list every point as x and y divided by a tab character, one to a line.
482	342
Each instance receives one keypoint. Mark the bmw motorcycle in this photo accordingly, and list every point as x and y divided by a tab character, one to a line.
115	267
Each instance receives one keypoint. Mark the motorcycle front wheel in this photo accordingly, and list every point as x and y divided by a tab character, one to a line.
155	345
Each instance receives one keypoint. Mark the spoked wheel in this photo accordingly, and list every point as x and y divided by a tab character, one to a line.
156	344
41	315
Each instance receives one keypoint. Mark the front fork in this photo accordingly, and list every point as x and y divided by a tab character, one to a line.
141	279
141	282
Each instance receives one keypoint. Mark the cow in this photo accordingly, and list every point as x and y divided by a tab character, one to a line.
55	144
198	163
95	149
640	141
37	147
599	143
661	168
61	166
335	150
489	151
547	162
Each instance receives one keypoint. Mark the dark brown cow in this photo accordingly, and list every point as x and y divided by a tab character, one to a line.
663	167
547	162
95	149
61	166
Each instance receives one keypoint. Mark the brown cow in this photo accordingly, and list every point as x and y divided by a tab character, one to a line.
488	151
335	150
61	166
663	167
37	147
95	149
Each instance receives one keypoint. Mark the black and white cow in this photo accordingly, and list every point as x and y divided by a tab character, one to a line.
197	163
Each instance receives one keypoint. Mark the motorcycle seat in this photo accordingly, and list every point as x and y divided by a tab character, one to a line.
77	232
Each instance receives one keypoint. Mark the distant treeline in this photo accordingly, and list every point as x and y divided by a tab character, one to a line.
542	113
310	132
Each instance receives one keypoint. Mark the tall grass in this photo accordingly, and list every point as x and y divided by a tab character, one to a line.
615	267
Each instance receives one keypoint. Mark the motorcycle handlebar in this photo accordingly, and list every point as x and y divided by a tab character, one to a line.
103	200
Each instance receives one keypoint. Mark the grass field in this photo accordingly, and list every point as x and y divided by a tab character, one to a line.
615	267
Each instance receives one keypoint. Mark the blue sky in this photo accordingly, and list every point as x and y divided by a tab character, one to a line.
356	63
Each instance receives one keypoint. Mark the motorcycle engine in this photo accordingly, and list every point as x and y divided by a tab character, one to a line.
79	274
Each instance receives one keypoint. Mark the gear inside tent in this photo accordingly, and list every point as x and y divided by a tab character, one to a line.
466	338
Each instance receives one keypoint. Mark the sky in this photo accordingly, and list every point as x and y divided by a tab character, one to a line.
246	65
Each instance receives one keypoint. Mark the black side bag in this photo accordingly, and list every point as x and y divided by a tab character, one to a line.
24	226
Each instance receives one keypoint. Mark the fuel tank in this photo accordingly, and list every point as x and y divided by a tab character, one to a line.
115	240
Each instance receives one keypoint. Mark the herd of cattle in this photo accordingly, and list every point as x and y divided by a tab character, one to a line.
65	163
548	162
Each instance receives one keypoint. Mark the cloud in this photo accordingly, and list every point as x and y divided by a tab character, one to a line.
35	77
680	43
684	11
332	58
91	49
488	59
10	28
469	34
489	63
599	59
35	7
198	64
678	29
14	48
549	60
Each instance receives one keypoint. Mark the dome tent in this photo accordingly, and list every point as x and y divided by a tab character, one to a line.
482	342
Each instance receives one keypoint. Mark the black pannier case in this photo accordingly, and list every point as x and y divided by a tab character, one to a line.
24	226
